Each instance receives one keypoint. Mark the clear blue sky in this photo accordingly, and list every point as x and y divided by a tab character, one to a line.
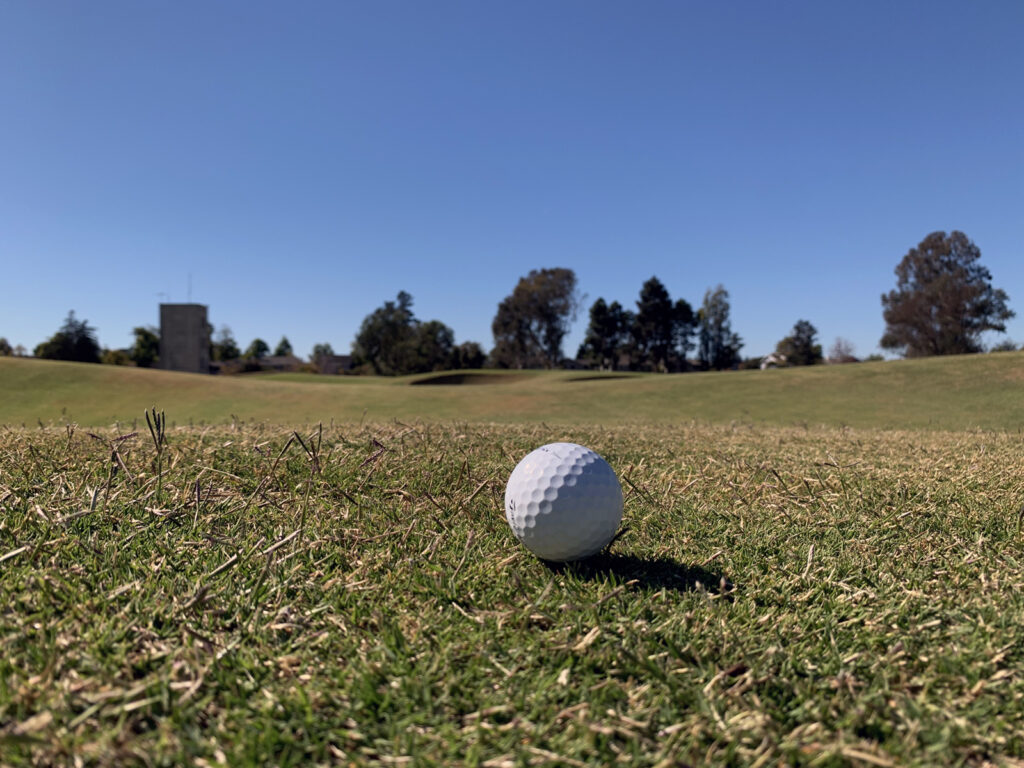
304	162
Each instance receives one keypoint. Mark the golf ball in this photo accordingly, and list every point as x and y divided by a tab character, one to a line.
563	502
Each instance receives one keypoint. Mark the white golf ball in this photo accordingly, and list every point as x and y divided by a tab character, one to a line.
563	502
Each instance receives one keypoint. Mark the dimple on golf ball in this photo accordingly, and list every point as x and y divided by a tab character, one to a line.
563	502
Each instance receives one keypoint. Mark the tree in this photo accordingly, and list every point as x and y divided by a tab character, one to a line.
660	331
685	322
607	335
75	341
116	357
534	319
5	347
1006	345
799	348
392	342
224	347
654	327
384	336
842	351
434	347
257	350
719	347
145	352
656	337
321	350
283	348
468	354
943	300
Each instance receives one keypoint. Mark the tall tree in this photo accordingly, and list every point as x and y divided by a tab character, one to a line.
321	350
224	346
75	341
800	347
719	347
943	300
145	352
685	321
468	354
5	347
654	329
283	348
384	336
607	334
842	351
534	319
433	347
391	341
257	350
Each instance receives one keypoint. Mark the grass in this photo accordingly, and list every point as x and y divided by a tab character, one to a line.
784	595
956	393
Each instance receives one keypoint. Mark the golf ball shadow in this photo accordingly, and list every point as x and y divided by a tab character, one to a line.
647	573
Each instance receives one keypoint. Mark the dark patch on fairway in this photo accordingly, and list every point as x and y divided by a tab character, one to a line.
598	377
652	573
468	378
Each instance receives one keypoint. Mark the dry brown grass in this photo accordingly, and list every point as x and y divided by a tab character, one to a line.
782	595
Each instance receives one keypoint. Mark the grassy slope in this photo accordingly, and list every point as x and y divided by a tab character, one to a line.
945	393
819	597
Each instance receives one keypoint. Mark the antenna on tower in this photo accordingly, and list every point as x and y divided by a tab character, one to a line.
189	287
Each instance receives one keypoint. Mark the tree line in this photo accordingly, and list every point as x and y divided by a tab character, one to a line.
76	341
660	334
943	302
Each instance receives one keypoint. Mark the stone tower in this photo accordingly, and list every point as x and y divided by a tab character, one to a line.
184	338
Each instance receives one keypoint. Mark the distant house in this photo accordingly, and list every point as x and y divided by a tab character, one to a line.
774	360
331	365
275	363
281	363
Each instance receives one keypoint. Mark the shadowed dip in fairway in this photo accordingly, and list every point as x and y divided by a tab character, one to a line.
464	377
598	377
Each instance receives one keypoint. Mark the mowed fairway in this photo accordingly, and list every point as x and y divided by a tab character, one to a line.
820	567
980	391
783	596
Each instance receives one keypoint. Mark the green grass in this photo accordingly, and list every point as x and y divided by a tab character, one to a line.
784	595
981	391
